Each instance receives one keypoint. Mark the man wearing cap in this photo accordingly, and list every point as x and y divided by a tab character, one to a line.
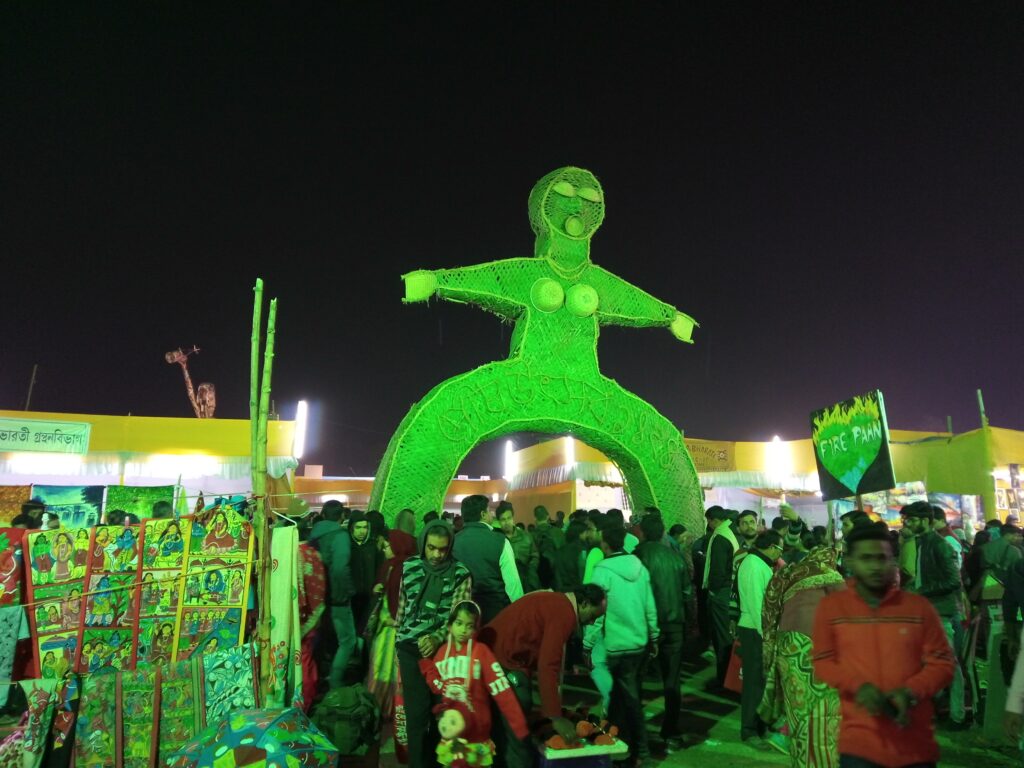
721	548
937	578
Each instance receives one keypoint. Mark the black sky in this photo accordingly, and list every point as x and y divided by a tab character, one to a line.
837	195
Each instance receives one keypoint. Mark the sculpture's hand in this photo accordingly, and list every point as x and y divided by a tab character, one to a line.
419	285
682	327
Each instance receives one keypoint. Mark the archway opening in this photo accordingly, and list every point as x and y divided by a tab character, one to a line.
530	469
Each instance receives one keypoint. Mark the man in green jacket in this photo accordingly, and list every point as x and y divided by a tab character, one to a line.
523	547
549	540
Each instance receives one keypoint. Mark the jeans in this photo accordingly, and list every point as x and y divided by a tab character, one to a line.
670	657
491	604
599	672
345	629
721	634
954	633
420	724
626	708
752	653
510	751
849	761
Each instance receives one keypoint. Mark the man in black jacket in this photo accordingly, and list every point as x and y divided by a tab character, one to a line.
721	547
489	557
937	578
366	561
670	583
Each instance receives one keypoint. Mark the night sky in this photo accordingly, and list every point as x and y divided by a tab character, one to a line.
836	196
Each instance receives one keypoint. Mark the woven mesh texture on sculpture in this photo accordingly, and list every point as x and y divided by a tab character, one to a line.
550	382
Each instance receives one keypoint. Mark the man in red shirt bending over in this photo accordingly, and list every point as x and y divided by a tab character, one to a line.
528	638
886	653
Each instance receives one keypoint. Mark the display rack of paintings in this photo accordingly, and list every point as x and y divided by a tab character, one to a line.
163	557
97	740
108	630
211	606
113	596
138	713
57	567
201	691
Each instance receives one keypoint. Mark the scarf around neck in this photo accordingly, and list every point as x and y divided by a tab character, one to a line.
434	576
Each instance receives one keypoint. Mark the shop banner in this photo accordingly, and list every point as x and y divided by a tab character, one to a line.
851	447
46	436
712	455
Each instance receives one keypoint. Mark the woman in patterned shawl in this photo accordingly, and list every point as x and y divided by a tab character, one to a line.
810	707
312	590
398	547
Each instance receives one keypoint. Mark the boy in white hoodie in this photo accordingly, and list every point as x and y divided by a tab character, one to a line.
629	631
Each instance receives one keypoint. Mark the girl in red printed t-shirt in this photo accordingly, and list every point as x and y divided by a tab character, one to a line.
467	676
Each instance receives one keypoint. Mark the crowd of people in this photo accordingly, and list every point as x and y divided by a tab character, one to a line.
850	652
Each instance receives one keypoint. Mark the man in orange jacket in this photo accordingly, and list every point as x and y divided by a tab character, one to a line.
886	653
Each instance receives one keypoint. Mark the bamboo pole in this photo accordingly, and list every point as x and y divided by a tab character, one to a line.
254	371
261	520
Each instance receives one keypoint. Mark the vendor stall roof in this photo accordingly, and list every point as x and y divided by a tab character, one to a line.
160	435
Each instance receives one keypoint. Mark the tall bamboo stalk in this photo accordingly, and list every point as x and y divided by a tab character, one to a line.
261	520
254	372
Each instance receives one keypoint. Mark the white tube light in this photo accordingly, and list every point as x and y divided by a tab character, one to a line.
510	461
299	438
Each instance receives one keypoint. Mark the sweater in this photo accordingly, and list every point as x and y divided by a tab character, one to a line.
417	618
569	566
631	621
335	548
488	555
721	548
670	583
936	576
529	636
450	670
898	644
527	559
753	577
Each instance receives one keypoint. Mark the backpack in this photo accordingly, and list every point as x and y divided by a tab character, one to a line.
350	718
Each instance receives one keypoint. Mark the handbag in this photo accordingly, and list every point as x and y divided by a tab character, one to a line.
373	617
734	674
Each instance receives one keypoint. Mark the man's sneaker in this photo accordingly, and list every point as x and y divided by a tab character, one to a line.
778	741
674	744
756	742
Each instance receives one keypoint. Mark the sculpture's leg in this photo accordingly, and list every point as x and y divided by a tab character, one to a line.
664	476
513	396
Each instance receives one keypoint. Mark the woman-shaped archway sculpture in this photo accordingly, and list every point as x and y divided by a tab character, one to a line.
550	382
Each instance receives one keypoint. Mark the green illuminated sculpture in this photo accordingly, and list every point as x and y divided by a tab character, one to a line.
550	382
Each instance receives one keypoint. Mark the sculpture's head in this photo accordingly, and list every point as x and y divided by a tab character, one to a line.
567	203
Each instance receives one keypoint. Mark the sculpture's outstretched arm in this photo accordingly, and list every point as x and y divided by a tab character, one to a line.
494	286
622	303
